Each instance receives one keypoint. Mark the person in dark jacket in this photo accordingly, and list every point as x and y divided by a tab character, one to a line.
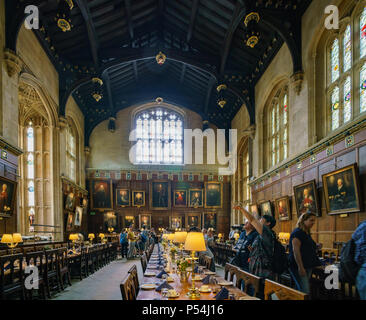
359	236
124	243
303	252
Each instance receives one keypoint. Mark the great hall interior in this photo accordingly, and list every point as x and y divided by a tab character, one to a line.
100	179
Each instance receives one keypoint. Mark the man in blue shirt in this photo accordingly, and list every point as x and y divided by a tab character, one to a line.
124	243
359	236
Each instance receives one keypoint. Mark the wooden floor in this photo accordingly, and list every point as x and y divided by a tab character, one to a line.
104	284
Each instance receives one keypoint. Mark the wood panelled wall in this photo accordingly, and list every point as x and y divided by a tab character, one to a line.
161	218
328	228
8	170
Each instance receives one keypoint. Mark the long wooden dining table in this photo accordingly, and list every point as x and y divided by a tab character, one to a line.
182	288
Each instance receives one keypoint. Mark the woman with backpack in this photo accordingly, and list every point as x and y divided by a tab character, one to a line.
359	238
303	252
262	249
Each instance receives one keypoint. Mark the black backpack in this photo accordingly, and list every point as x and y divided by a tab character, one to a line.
280	262
348	267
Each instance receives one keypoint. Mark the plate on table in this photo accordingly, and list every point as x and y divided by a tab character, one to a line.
205	289
248	298
198	278
225	283
148	286
169	279
172	295
210	273
149	274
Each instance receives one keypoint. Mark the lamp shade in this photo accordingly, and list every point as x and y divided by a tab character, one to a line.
91	236
220	235
170	237
17	237
165	236
195	242
180	237
7	238
101	235
73	237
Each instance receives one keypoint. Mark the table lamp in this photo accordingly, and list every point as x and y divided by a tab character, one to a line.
12	240
170	237
91	237
101	236
73	237
111	229
194	242
236	236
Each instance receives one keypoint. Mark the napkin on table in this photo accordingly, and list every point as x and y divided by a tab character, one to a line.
223	294
206	280
161	274
164	285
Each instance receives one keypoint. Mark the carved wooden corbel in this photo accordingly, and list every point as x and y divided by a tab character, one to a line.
13	64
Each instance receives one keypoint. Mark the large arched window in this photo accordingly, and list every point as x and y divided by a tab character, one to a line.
277	128
71	154
346	72
159	136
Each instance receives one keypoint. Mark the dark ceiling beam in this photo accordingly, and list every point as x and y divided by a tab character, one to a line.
135	71
210	87
107	82
238	15
92	34
193	19
129	18
184	68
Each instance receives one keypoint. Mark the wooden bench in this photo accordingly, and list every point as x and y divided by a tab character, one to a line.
277	291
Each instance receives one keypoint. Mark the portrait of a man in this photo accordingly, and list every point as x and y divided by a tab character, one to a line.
341	190
192	221
306	198
70	221
7	196
180	198
213	195
283	208
209	220
138	198
266	208
123	197
70	201
101	194
159	195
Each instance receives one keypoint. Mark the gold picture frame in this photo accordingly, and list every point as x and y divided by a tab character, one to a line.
283	209
181	201
175	222
193	200
193	220
107	198
342	190
136	202
160	195
211	195
145	220
122	201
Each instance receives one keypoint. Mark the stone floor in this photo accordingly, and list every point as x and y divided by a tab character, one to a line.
104	284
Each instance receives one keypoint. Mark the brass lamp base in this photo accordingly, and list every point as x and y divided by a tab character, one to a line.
193	293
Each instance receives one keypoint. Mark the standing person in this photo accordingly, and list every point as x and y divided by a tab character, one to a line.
247	238
303	252
359	237
231	234
261	252
124	243
131	243
145	238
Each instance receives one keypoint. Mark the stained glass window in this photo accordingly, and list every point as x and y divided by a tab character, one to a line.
30	169
334	57
347	110
70	154
363	34
347	49
363	89
159	134
335	108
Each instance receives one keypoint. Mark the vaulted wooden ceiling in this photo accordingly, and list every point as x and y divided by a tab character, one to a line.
204	41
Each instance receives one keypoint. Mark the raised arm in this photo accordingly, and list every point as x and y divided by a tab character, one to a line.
253	220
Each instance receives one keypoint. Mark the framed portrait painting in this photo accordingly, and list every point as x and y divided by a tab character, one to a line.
213	195
306	198
195	198
138	198
7	197
209	220
70	201
266	208
70	221
193	221
101	194
180	198
254	210
341	190
78	216
123	197
110	220
282	206
145	220
160	195
175	222
129	221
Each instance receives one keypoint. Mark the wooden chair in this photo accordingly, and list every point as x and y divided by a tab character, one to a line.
277	291
63	267
89	261
144	262
207	262
37	259
11	276
330	254
128	287
230	271
248	282
78	266
51	271
133	271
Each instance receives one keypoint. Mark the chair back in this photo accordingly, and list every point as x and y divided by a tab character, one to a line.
230	271
37	259
277	291
128	287
11	273
51	260
144	262
248	282
133	271
207	262
63	261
